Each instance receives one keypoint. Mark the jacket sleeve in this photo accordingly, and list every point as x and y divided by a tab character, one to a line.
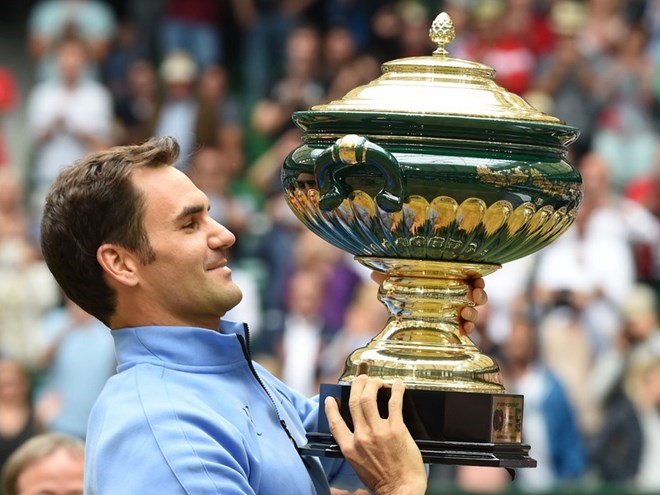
568	452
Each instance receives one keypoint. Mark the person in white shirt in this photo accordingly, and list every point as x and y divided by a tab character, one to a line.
67	118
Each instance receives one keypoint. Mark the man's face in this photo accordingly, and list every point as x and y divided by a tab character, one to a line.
189	283
60	473
71	61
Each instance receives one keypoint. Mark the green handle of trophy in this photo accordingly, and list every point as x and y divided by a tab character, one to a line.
333	163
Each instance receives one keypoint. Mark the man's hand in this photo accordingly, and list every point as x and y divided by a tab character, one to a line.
478	295
382	451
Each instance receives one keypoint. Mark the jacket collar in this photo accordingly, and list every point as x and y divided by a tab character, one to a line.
184	346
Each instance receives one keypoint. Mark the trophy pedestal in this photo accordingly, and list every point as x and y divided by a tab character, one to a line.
476	429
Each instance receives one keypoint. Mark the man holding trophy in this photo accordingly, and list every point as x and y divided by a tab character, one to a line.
130	240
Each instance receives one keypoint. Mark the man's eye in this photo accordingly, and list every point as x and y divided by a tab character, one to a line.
190	225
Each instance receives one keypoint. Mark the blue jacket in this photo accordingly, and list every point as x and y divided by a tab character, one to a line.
189	413
568	452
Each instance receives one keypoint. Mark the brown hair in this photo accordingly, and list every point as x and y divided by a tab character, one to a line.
91	203
33	450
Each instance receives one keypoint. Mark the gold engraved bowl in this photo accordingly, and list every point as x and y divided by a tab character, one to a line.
432	174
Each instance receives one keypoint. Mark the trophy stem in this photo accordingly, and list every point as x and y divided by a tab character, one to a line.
422	343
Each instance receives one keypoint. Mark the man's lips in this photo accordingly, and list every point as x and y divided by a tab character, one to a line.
217	266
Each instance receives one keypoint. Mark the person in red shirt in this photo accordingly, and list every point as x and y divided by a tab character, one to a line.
8	101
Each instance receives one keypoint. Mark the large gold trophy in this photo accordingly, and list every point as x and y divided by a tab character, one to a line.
433	174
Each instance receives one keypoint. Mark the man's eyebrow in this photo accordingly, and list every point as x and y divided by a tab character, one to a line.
191	210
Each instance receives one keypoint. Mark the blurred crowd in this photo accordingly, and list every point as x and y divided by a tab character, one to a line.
574	327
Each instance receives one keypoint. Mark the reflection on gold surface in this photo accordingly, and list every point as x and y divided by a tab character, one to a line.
470	214
422	343
445	209
520	217
347	149
496	216
437	230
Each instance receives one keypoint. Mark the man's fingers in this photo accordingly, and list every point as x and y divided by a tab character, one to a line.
354	401
338	426
368	400
395	404
479	296
469	314
477	292
468	327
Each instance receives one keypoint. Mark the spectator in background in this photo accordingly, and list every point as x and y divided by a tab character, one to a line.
626	133
414	34
604	27
194	26
212	171
645	190
26	287
266	26
365	317
92	21
67	117
385	30
49	463
272	245
219	122
18	421
339	49
570	270
352	15
177	112
651	20
340	274
568	75
643	383
300	88
303	333
550	425
78	360
639	227
511	295
353	73
135	110
627	449
125	51
514	56
8	101
640	338
580	301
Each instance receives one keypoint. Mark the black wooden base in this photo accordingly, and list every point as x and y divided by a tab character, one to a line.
437	452
449	427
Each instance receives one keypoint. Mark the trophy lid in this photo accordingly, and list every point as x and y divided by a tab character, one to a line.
438	85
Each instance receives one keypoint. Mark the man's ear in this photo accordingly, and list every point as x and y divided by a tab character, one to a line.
119	264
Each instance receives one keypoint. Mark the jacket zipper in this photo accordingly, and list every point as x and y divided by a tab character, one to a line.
245	345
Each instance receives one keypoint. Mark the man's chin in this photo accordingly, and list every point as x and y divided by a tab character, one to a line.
235	297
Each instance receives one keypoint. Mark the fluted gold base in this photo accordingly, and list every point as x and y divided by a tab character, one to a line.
422	343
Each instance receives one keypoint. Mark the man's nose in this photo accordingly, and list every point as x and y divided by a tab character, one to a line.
221	236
